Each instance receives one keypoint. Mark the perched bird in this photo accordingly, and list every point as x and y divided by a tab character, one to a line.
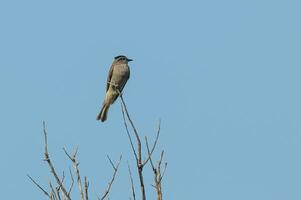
118	75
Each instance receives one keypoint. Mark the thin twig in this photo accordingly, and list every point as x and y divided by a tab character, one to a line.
132	183
161	158
133	126
58	188
149	153
164	170
115	168
47	159
53	192
155	143
157	171
76	169
58	193
63	178
112	164
44	191
128	133
158	178
52	197
72	181
138	155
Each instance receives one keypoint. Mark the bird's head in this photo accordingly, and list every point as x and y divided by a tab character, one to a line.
122	59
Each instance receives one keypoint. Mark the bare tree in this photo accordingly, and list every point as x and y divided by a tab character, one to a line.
137	152
59	190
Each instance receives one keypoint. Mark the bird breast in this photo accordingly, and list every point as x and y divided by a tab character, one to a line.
120	74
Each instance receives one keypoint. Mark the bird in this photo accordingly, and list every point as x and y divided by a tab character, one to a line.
119	74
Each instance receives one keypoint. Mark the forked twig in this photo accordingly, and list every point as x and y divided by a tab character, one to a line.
60	191
72	182
76	169
133	127
115	168
155	143
138	155
47	159
157	172
53	191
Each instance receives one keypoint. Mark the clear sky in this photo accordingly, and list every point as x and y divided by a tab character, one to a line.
223	76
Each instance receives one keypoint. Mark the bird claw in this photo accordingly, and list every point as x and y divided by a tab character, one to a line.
113	84
116	87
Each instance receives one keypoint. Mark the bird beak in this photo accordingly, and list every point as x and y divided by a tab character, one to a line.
129	60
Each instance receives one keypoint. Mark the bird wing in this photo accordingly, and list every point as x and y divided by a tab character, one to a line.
125	80
122	83
110	76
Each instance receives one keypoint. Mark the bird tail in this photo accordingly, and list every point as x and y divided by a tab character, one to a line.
102	116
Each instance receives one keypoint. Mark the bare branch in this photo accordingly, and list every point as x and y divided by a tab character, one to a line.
53	191
115	167
58	188
157	171
139	156
164	170
63	178
44	191
132	183
76	169
47	159
58	193
160	160
149	154
111	163
86	188
155	143
133	127
128	133
72	182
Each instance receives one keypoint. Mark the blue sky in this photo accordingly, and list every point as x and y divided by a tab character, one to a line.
223	76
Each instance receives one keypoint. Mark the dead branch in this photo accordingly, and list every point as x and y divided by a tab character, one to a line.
155	143
157	171
115	168
53	191
72	182
138	155
86	188
133	126
132	183
128	134
60	191
77	171
47	159
44	191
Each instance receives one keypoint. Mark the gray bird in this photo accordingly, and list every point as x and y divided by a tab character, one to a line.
118	75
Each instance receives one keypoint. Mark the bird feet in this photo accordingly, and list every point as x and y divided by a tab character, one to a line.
116	88
113	84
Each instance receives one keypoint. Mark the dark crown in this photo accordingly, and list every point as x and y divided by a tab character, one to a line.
120	56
